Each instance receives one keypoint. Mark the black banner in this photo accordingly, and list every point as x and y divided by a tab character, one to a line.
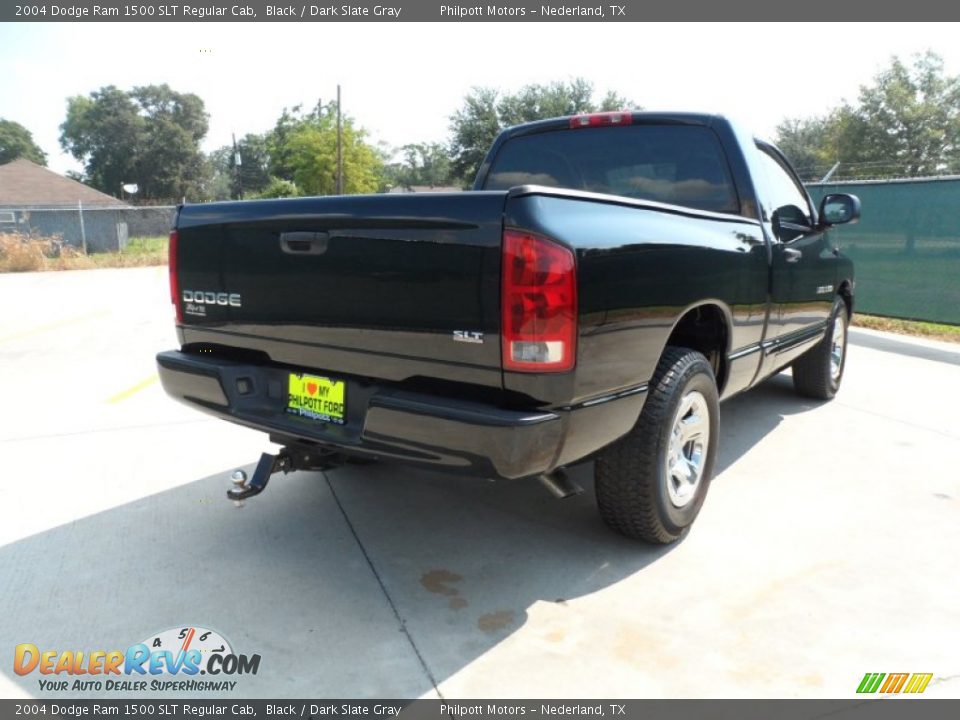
853	709
465	11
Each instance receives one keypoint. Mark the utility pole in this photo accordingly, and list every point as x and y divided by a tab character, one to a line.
339	145
237	162
83	230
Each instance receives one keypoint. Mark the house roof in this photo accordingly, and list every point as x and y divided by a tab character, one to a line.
25	183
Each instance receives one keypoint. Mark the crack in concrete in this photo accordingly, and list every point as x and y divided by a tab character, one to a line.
386	593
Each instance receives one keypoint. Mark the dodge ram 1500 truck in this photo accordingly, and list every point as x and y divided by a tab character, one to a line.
610	279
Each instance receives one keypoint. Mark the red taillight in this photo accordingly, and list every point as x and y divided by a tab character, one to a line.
538	304
174	283
601	119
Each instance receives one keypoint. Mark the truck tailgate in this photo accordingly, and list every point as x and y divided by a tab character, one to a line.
383	286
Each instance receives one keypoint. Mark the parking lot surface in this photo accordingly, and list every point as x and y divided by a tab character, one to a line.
827	548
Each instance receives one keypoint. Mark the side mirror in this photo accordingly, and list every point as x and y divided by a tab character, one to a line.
839	209
789	222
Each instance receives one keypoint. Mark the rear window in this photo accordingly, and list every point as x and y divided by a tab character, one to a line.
677	164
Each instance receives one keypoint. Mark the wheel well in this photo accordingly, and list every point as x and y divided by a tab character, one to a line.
847	295
704	329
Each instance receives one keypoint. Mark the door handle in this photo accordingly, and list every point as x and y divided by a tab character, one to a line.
792	255
304	243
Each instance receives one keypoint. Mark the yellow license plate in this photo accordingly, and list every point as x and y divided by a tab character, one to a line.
317	398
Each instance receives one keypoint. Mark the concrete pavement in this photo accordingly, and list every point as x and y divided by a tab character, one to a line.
826	549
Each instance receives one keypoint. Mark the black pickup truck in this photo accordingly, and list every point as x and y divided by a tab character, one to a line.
610	279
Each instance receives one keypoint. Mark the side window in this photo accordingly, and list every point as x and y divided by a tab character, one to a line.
782	190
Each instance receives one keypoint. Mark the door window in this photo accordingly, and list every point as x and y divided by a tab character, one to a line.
783	191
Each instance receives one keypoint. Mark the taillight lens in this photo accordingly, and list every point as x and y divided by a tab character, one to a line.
174	282
601	119
538	304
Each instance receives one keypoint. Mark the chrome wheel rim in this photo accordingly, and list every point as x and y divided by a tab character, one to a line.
687	450
838	344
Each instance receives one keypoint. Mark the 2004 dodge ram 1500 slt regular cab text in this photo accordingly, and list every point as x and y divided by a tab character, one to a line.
608	281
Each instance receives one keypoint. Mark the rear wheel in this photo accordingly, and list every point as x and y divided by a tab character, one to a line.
818	372
651	483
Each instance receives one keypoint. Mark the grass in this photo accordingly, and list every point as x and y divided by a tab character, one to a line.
34	254
148	247
936	331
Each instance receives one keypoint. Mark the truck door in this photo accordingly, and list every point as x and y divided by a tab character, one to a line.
803	269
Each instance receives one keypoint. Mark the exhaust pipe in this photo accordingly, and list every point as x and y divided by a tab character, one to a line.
559	484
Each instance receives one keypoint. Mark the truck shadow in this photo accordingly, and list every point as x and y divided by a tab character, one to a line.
747	418
364	581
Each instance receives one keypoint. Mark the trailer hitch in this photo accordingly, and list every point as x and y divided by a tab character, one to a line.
286	461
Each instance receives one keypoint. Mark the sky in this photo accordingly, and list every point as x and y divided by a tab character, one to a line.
403	81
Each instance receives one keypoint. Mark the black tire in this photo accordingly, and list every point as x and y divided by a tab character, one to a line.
631	477
813	374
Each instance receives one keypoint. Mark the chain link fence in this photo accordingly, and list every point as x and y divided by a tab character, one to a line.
95	228
906	246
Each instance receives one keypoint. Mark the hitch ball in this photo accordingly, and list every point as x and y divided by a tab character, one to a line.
239	480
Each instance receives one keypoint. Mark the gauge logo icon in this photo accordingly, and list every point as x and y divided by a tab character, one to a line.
182	640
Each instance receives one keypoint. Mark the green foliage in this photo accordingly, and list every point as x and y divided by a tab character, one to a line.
612	101
474	128
149	136
17	142
906	123
106	133
154	245
421	164
282	160
485	112
250	178
534	102
278	188
222	183
302	149
911	116
809	143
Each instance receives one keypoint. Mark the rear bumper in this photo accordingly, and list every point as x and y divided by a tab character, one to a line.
432	430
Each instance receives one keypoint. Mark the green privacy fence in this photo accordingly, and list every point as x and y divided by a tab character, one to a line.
906	246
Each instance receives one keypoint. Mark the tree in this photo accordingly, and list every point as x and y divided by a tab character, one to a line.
906	123
149	136
282	159
17	142
303	150
251	177
106	133
222	184
808	144
474	127
422	164
485	112
278	188
170	165
909	116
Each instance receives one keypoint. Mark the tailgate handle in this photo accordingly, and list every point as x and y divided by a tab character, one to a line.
304	242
